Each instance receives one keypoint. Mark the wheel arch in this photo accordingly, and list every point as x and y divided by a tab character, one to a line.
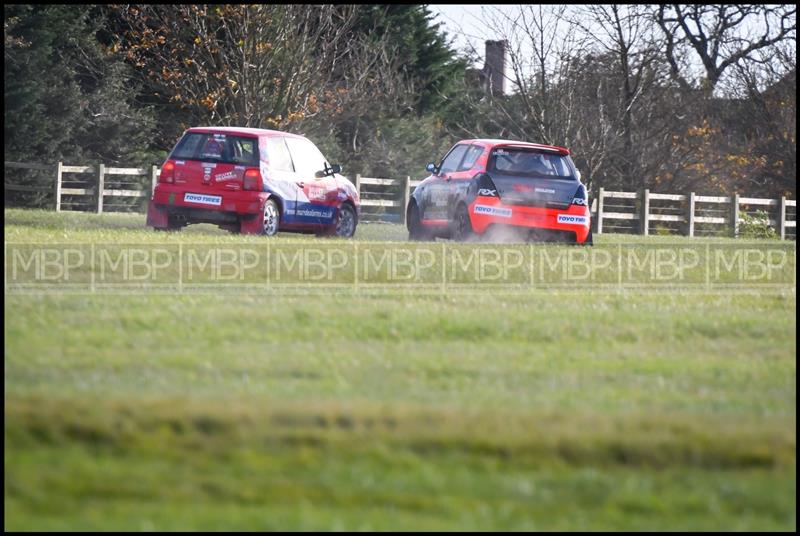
412	203
277	200
352	205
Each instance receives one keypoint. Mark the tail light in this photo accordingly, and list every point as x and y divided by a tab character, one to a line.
252	180
167	172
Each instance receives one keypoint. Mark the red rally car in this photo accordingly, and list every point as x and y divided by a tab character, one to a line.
499	185
252	181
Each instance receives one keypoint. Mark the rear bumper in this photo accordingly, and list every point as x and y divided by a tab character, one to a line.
170	198
487	211
168	207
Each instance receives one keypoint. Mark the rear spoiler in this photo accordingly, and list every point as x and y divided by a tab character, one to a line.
548	148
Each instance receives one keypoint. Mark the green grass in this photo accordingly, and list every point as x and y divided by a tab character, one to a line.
562	410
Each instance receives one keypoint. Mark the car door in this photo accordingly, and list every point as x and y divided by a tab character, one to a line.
439	193
313	190
280	178
459	179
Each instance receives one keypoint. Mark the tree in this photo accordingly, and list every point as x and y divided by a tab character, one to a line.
247	65
65	99
398	86
721	35
633	98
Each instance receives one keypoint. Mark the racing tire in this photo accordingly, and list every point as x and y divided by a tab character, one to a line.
346	221
416	231
270	218
462	226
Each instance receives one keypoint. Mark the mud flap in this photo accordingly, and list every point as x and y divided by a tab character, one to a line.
253	223
156	216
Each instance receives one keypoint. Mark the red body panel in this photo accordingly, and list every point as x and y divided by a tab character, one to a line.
199	191
240	202
486	211
531	217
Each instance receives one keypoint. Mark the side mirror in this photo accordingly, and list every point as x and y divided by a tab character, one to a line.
431	167
336	168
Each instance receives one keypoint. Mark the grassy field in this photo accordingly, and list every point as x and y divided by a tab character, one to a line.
548	410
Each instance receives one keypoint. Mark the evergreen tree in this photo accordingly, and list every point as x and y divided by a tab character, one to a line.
425	56
65	98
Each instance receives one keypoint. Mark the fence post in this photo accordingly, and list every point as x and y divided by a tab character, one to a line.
735	214
153	180
690	216
57	187
600	194
782	218
406	197
358	184
644	216
100	186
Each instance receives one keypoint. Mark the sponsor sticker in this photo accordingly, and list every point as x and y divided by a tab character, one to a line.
228	175
314	213
438	196
574	220
545	190
493	211
316	193
202	199
207	171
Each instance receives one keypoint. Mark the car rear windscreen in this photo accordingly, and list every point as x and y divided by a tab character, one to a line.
217	148
530	163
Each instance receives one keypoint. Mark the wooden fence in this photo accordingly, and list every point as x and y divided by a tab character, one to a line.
644	212
90	189
386	200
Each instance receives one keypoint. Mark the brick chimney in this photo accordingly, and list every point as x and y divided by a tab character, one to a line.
495	67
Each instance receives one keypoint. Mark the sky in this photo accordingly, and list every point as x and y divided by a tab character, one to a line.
467	30
463	24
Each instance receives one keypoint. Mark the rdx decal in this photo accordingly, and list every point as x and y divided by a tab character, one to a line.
575	220
493	211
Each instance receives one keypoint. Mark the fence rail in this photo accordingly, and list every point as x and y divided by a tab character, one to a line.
385	199
54	188
722	213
